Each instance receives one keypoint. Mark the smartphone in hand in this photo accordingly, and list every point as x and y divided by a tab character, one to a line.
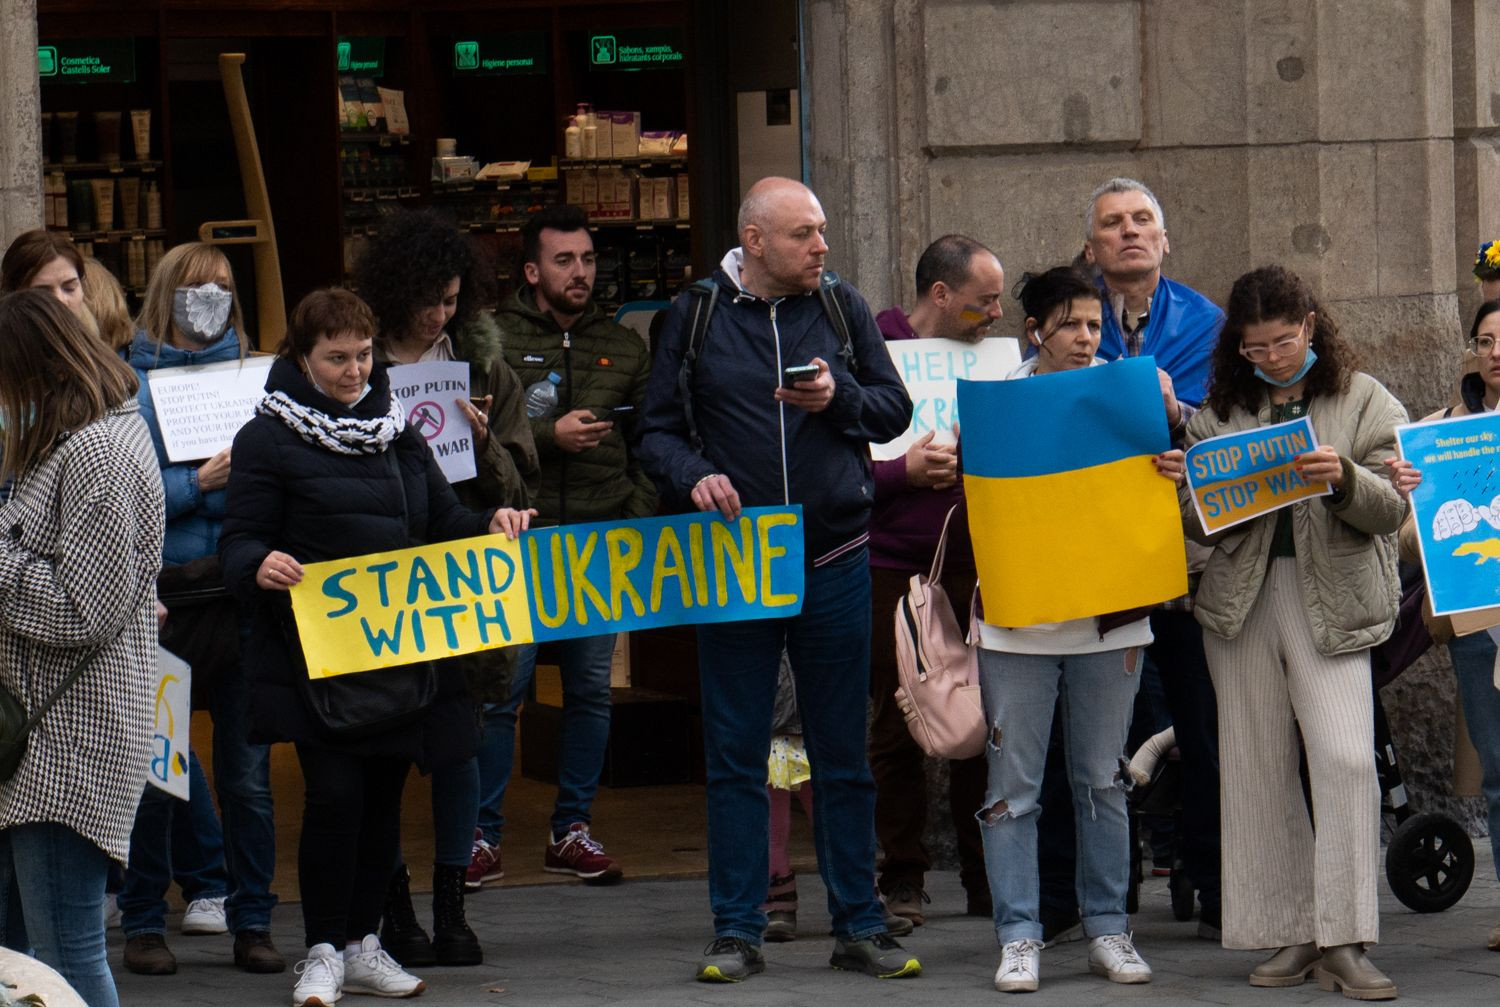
803	372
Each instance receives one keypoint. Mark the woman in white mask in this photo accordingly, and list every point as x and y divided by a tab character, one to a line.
191	316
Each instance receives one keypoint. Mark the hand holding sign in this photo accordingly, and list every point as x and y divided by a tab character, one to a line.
278	572
214	473
1321	465
1403	475
511	522
1243	475
931	466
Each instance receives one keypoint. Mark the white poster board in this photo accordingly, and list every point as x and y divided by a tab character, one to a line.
429	392
200	409
168	769
931	369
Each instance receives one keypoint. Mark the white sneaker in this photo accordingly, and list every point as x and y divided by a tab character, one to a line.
320	978
205	916
1020	967
371	970
1115	957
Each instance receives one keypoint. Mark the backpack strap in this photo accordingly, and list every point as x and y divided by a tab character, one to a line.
705	294
833	307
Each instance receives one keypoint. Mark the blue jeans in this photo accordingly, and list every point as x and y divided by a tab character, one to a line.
738	662
59	876
1096	694
242	779
585	665
1474	666
172	840
455	797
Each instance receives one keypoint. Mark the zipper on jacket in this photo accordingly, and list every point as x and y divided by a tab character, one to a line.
562	482
786	492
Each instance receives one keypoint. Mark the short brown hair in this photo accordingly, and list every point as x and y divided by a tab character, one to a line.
55	377
30	252
323	313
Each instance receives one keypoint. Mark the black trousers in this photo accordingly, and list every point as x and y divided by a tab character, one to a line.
351	835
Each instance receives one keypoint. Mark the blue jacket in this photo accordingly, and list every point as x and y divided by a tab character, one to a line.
1181	334
775	455
193	516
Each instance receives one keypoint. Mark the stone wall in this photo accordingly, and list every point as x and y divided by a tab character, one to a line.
20	122
1356	143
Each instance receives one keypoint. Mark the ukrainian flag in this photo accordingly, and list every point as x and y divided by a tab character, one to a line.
1068	515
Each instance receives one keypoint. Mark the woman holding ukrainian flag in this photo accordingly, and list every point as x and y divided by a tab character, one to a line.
1094	664
1290	603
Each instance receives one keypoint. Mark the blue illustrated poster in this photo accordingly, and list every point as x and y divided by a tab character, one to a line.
1457	508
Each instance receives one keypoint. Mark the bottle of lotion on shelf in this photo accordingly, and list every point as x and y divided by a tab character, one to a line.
590	133
573	135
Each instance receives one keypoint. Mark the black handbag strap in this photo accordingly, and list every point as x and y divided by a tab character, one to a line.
41	711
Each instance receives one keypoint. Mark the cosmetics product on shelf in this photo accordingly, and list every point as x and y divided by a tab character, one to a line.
140	132
107	136
67	136
104	203
81	204
153	206
130	202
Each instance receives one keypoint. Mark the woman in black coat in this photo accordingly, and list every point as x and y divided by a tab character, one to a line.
329	469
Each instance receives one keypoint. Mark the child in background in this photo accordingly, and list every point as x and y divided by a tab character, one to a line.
787	773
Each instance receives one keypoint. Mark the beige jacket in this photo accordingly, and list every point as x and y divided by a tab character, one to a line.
1346	560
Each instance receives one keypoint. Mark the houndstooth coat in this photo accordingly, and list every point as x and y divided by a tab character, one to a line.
80	546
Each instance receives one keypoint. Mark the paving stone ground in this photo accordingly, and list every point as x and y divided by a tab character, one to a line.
636	943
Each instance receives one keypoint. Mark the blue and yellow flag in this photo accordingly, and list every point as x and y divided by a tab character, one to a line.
1068	514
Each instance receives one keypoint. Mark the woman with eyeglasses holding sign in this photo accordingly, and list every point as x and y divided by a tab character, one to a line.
1290	604
1473	654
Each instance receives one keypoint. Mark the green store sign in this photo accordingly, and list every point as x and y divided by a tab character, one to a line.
637	49
517	52
86	61
362	56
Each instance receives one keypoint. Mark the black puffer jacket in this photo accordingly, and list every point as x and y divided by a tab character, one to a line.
315	504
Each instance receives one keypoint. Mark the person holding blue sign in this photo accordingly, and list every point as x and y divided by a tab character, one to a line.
1473	652
1290	604
329	468
1088	669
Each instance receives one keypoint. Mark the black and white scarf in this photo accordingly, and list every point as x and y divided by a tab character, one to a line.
347	435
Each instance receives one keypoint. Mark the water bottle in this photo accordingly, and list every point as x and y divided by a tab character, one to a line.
541	396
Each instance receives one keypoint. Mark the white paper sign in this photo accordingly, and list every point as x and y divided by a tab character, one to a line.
429	392
168	769
931	369
200	409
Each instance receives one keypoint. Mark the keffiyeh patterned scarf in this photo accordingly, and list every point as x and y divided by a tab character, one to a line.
346	435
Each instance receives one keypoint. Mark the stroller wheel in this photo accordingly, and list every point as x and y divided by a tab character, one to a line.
1429	863
1181	889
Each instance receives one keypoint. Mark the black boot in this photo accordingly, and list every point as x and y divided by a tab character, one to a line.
400	934
452	940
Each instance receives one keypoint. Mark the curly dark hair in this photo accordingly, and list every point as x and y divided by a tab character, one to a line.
408	263
1273	293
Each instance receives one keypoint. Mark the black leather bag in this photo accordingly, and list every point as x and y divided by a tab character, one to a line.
15	725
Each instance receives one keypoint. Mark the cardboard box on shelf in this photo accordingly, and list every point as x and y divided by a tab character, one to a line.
683	206
661	199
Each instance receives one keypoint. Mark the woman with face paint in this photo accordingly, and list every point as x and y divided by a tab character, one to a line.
191	316
328	468
1290	604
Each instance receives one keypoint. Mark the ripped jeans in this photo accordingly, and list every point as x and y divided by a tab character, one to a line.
1097	694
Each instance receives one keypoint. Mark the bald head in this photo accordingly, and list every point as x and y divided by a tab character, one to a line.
781	226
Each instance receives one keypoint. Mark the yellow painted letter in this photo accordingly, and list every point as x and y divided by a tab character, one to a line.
624	547
578	573
739	556
668	563
559	587
763	525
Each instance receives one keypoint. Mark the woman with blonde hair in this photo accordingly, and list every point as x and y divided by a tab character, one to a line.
105	300
191	316
77	627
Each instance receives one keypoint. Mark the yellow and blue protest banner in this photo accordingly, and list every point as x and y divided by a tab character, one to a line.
1457	512
1243	475
450	598
1068	514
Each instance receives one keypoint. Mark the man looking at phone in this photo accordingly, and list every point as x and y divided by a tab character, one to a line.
728	433
588	473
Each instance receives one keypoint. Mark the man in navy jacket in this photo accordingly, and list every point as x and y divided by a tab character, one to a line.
754	442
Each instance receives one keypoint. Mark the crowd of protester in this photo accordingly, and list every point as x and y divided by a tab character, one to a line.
110	547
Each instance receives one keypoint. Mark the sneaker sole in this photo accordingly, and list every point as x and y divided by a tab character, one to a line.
849	963
204	929
317	1002
474	886
1018	985
1123	978
714	974
371	991
604	877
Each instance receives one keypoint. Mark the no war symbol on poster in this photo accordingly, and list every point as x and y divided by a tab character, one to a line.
395	608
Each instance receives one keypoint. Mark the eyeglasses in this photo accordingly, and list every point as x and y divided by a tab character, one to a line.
1484	346
1283	347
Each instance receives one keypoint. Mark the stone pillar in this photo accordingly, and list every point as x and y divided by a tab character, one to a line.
1358	144
20	122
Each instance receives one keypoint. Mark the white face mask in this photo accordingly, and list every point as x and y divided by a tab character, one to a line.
307	370
201	313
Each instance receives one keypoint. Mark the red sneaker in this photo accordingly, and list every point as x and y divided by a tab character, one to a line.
484	864
579	853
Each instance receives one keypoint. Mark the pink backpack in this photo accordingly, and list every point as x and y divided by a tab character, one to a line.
938	667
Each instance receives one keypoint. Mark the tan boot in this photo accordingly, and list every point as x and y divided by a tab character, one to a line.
1494	944
1287	967
1345	968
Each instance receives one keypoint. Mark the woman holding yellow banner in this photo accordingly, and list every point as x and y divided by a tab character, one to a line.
328	468
1093	664
1290	603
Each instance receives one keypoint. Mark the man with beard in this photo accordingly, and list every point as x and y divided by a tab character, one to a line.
551	327
959	286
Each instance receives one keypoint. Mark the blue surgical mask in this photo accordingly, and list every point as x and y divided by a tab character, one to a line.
1308	361
307	370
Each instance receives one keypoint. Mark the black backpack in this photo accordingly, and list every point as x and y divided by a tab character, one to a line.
705	294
